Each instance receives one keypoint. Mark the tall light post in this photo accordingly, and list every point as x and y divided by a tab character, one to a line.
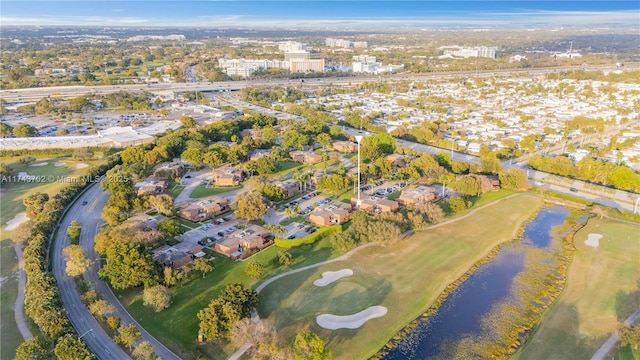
358	139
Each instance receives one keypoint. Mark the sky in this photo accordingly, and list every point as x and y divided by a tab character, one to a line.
328	13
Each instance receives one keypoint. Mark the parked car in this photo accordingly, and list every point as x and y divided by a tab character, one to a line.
291	237
573	189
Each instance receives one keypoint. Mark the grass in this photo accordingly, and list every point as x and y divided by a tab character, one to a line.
187	223
202	191
176	190
10	337
405	277
285	166
14	192
601	286
292	219
197	293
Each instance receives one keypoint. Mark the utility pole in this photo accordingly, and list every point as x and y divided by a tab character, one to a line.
358	139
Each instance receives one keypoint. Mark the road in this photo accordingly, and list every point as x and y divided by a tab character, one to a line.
613	339
34	94
96	338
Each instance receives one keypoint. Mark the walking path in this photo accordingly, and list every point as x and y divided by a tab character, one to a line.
18	309
613	339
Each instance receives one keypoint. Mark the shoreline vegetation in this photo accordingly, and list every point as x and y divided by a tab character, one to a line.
551	294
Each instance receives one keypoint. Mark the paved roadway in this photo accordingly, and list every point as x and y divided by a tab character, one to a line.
34	94
95	337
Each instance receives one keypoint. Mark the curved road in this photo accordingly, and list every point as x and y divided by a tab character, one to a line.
85	324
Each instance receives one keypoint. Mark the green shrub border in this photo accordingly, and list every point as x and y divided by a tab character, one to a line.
309	239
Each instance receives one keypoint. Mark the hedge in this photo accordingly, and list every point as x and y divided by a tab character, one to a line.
309	239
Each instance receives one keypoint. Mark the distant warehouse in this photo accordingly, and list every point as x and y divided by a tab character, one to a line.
111	137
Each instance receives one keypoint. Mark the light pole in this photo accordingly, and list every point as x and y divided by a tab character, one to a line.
85	333
358	139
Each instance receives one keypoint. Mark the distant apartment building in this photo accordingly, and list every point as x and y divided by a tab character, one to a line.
244	67
150	186
298	54
291	46
368	65
420	194
306	65
290	187
374	205
481	51
236	244
345	43
305	157
345	146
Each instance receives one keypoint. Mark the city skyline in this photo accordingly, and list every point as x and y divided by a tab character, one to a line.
319	14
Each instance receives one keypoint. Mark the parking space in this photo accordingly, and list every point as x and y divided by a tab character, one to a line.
298	230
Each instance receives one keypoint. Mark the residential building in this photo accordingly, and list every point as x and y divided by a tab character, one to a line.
178	255
345	146
305	157
289	46
398	160
413	196
376	205
227	176
150	186
235	245
335	213
169	170
290	187
298	54
205	208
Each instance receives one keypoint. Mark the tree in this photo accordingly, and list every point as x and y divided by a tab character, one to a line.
263	339
5	129
33	349
468	185
157	297
187	121
377	145
128	335
101	308
309	346
294	139
73	231
250	206
629	335
284	258
273	192
34	203
432	211
144	351
25	130
77	261
170	227
83	154
162	203
203	265
234	303
456	204
255	269
129	265
514	179
70	347
265	165
23	232
323	139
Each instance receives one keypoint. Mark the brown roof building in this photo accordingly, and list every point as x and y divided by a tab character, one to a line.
305	157
178	255
227	176
151	186
412	196
345	146
375	205
204	208
169	170
398	160
235	244
290	187
336	213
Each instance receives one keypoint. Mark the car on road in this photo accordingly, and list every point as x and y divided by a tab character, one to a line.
291	237
85	202
573	189
188	177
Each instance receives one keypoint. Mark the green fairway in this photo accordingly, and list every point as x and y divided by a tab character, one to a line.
405	277
50	179
602	289
10	337
202	191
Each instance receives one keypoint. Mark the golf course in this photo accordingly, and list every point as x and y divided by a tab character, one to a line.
601	291
405	278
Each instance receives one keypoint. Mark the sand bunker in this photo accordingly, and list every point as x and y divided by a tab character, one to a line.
331	276
39	164
16	221
58	164
81	166
593	240
334	322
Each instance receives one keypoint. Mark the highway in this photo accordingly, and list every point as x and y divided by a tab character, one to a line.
85	324
34	94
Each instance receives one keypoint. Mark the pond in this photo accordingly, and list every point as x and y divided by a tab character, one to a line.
461	312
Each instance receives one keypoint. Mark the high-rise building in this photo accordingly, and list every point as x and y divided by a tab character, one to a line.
306	65
291	46
298	54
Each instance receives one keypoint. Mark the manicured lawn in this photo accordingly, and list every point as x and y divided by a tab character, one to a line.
600	288
289	220
10	337
285	166
405	277
176	190
197	294
202	191
14	192
187	223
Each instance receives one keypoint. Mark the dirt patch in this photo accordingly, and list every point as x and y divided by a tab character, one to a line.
58	164
40	164
331	276
81	166
334	322
593	240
